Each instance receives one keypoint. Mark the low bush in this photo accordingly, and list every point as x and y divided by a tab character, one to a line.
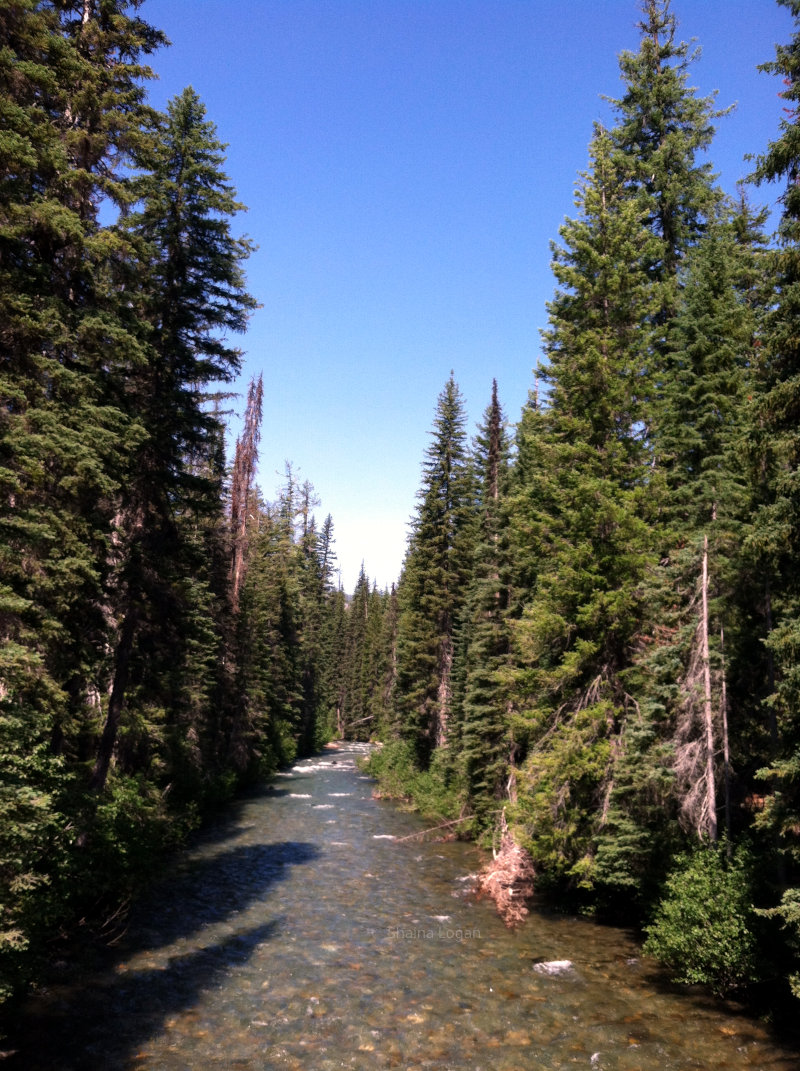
703	929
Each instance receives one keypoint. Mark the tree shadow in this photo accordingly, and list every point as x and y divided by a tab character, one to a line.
229	820
100	1019
200	891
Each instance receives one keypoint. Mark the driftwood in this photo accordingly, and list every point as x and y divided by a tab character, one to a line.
509	878
432	829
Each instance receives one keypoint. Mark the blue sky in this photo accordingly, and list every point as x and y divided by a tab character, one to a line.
406	164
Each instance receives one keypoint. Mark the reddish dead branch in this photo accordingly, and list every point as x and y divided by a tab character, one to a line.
509	879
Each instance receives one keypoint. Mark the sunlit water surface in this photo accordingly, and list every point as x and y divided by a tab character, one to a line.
304	932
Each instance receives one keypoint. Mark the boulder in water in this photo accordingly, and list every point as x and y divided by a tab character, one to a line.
553	966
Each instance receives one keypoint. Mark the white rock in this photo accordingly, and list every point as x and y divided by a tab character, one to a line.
553	966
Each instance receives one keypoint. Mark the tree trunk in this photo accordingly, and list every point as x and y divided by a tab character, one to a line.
710	806
726	753
444	690
244	467
116	702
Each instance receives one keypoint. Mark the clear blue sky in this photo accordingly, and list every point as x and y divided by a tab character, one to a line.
406	164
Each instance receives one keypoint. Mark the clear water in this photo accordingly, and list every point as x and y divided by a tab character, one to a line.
304	933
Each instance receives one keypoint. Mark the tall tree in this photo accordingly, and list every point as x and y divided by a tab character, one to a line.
589	474
74	118
700	438
244	468
662	128
486	743
434	579
776	534
193	294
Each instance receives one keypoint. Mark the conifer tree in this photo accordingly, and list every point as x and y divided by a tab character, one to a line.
73	117
776	533
194	293
434	579
662	128
588	469
244	468
701	433
356	668
486	744
265	724
388	680
676	770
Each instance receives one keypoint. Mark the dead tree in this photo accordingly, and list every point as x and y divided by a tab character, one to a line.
244	467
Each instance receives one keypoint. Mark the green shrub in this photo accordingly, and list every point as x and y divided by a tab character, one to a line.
432	792
703	927
394	768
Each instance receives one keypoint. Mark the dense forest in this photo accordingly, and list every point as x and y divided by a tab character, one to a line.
595	639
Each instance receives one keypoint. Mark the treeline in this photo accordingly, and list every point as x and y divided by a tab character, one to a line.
597	627
165	635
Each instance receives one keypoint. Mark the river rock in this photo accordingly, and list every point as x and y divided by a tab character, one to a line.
553	966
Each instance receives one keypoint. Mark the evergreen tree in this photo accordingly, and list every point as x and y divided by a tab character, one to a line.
588	468
193	293
676	768
486	744
73	117
701	433
776	532
266	722
662	127
434	579
356	668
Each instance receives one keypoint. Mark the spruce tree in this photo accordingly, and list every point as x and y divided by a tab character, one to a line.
675	772
486	744
265	723
588	470
701	435
776	531
357	669
662	127
432	587
193	293
73	116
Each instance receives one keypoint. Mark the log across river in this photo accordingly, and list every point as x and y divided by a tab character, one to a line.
302	932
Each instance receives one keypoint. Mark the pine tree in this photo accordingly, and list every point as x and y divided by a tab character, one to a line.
433	583
73	115
356	668
266	722
701	433
588	468
486	744
776	530
662	127
244	467
193	292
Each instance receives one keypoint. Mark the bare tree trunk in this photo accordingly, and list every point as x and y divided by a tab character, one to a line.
773	721
244	467
711	807
726	753
443	695
511	784
116	702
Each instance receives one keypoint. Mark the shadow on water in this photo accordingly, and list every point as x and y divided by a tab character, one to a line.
205	891
67	1028
229	821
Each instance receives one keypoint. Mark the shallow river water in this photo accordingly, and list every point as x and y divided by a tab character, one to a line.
303	932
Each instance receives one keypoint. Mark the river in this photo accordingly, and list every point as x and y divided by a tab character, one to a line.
303	932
